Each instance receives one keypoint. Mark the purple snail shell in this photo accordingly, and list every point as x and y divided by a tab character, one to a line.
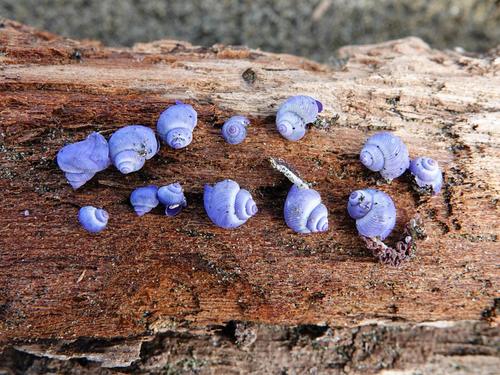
374	212
172	196
385	153
93	219
227	205
80	161
144	199
234	130
294	114
427	173
131	146
304	212
175	125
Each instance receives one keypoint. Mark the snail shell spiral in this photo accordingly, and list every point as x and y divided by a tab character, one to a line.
374	212
294	114
385	153
427	173
304	212
176	124
172	196
227	205
131	146
144	199
93	219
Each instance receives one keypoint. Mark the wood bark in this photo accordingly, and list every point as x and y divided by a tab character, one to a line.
179	294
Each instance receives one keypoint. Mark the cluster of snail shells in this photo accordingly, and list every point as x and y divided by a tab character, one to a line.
384	152
146	198
227	205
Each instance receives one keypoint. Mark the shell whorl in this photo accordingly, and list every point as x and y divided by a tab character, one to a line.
234	130
374	212
294	114
227	205
144	199
131	146
427	173
175	125
93	219
385	153
80	161
172	196
304	212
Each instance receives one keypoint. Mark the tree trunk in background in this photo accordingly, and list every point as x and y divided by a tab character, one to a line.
179	295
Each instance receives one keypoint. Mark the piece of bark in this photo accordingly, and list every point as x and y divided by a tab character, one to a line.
144	274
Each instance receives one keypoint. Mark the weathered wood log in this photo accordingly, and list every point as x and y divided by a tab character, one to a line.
150	284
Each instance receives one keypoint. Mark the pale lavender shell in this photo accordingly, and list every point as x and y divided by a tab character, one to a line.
374	212
93	219
131	146
304	212
80	161
427	173
175	125
294	114
234	130
227	205
385	153
144	199
172	196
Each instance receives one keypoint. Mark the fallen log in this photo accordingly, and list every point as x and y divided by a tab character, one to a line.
151	278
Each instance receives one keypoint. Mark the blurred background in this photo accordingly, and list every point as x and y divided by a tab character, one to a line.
311	28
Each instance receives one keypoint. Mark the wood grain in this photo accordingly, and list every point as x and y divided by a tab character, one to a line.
146	274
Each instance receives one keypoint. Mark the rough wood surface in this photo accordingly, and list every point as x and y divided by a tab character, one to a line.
143	278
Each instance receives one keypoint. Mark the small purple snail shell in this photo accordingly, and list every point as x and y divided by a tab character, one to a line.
80	161
234	130
294	114
304	212
93	219
427	173
374	212
227	205
175	125
172	196
144	199
385	153
131	146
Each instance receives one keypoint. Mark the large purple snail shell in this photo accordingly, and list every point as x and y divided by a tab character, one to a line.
304	212
93	219
175	125
294	114
172	196
144	199
80	161
385	153
427	173
131	146
374	212
227	205
234	130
